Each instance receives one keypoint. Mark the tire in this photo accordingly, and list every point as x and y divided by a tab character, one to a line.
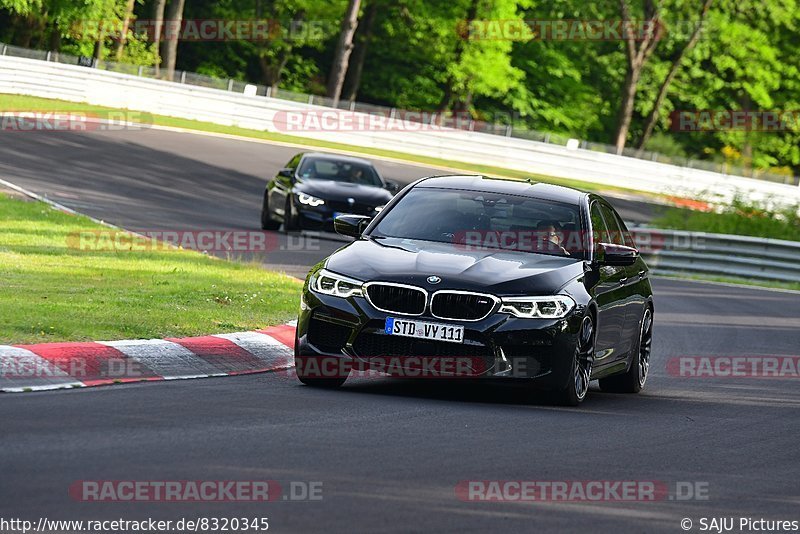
289	218
635	378
581	370
317	381
266	217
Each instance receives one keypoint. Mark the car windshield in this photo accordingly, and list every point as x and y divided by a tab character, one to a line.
477	219
340	171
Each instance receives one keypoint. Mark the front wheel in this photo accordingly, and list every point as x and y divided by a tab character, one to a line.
633	381
320	372
290	219
266	217
581	372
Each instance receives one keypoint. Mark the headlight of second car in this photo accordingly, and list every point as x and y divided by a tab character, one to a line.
554	307
308	200
329	283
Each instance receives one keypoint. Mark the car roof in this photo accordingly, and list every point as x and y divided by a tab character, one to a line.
529	188
336	157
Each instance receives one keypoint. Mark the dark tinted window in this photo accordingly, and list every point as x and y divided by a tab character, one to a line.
614	230
485	220
340	171
599	228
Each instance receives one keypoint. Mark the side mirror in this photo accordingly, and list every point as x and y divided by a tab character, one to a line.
351	225
616	255
392	186
286	173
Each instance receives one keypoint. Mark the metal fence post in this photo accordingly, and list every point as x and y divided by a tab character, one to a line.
49	53
141	70
230	84
5	47
183	76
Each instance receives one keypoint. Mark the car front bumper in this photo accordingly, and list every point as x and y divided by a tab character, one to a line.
336	335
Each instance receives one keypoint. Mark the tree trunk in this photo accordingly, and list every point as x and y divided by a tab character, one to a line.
353	78
652	119
119	46
625	115
98	48
637	54
344	47
170	44
158	24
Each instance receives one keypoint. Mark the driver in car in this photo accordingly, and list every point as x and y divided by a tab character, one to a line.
550	235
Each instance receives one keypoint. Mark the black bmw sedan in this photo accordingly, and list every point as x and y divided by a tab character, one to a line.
469	276
314	188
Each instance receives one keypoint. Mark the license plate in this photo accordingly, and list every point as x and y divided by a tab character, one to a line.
424	330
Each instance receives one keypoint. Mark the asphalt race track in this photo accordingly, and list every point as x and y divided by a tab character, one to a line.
390	452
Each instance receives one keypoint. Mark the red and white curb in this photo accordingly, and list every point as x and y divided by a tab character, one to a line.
76	365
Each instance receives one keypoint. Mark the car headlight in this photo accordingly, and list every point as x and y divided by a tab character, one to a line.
329	283
554	307
308	200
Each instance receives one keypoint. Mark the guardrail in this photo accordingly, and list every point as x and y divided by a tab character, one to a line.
680	252
82	84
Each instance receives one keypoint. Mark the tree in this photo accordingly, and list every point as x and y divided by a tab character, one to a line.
169	47
654	115
123	36
636	55
363	40
158	25
344	47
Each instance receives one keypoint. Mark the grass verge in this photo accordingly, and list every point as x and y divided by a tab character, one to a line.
30	103
737	218
51	291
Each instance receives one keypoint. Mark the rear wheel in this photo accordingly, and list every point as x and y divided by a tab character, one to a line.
634	380
266	217
581	373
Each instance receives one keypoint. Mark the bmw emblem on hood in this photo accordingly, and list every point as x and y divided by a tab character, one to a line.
434	279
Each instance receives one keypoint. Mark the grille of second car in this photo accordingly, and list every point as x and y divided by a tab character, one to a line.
397	299
465	306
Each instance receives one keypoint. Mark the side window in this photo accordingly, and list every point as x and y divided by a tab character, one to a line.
599	228
613	225
627	237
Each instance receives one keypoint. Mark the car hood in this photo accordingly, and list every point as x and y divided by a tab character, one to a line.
488	270
341	191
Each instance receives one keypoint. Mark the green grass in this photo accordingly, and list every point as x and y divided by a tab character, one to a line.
30	103
738	218
52	291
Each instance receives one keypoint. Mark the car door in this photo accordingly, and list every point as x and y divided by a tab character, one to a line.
638	283
281	186
628	278
609	294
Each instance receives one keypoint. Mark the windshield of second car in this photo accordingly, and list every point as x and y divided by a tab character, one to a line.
486	220
340	171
